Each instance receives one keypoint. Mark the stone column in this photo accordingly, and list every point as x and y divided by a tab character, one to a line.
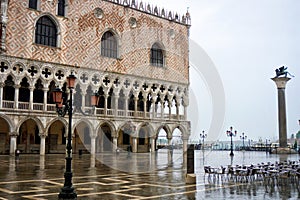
280	83
42	144
31	98
185	147
170	149
83	94
115	144
1	94
152	145
185	112
105	104
162	109
45	98
185	104
135	106
145	107
102	142
13	143
42	164
134	145
17	96
93	145
177	108
126	106
116	104
169	141
92	161
170	109
153	107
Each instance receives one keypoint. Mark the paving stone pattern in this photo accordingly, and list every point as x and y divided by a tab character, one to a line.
35	177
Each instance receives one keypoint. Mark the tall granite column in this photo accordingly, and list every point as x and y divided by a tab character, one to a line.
280	83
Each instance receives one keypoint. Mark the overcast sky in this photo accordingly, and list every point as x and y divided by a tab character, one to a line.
246	41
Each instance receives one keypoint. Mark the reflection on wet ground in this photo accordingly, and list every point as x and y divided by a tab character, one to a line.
136	176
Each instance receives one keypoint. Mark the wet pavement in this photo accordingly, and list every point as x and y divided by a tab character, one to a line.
136	176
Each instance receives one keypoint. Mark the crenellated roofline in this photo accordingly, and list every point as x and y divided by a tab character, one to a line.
154	10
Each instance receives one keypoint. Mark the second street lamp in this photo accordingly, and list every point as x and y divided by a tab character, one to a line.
63	108
243	137
231	134
203	136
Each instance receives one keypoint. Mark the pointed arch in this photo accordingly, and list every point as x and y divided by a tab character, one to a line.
5	133
56	132
38	93
47	31
105	134
149	127
82	129
29	130
166	128
9	89
24	92
61	119
87	122
9	122
182	129
36	120
110	124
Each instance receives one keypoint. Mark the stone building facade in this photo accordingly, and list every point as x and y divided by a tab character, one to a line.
134	55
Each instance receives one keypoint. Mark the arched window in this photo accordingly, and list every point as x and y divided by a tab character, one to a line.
24	92
9	89
33	4
156	57
109	45
46	32
61	7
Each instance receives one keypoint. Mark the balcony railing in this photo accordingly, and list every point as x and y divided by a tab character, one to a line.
51	107
8	105
38	106
110	112
23	105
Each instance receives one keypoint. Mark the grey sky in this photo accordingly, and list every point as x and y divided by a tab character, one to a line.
246	40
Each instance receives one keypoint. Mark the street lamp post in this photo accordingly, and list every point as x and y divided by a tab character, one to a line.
243	137
231	134
203	136
63	108
250	145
